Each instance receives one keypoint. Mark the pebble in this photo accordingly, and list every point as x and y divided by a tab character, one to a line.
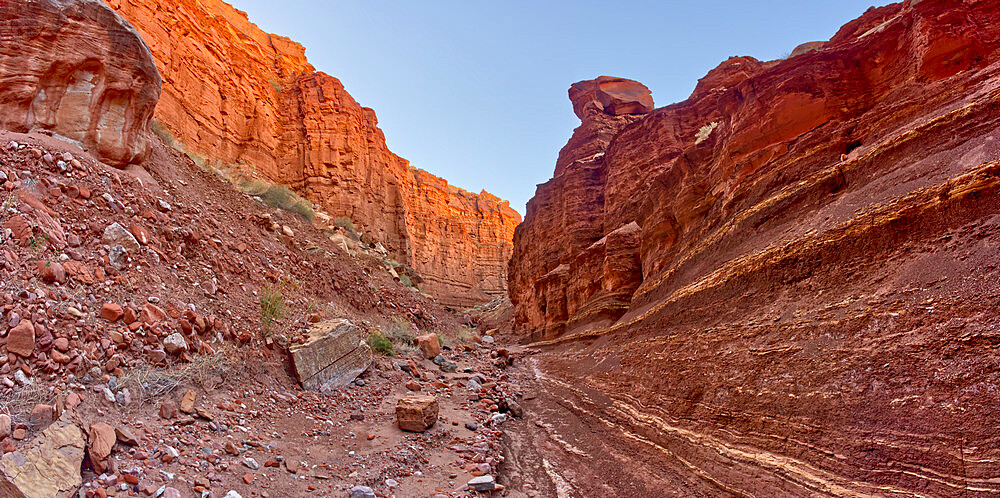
251	463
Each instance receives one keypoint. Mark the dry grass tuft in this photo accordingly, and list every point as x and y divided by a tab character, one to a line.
18	405
146	383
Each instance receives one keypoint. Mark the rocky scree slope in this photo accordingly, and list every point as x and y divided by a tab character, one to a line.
239	98
784	285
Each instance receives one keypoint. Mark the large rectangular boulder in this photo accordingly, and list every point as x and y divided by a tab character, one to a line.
334	355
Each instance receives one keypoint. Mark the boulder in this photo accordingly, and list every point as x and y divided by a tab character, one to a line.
615	96
416	413
76	68
334	355
48	467
429	345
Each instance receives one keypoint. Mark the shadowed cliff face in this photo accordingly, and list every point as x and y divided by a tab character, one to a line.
787	284
75	69
249	100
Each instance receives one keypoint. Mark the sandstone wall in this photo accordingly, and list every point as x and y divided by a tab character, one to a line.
689	174
240	97
76	69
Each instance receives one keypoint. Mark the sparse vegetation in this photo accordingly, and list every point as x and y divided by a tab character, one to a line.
381	344
405	280
345	222
18	403
146	383
8	202
163	132
272	305
461	334
279	196
400	333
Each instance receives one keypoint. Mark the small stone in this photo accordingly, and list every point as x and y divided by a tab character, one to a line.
41	416
187	401
5	425
391	483
168	409
175	343
251	463
483	483
362	492
471	426
61	343
413	385
51	271
126	436
112	312
117	235
232	494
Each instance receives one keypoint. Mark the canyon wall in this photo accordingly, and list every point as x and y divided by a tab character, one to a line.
785	285
237	97
76	69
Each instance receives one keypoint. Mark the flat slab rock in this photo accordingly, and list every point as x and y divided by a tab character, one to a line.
416	413
335	355
49	467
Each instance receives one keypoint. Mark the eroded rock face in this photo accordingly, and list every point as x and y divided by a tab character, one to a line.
816	271
77	69
236	96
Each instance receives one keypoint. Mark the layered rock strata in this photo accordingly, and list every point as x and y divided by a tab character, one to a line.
237	97
816	275
76	69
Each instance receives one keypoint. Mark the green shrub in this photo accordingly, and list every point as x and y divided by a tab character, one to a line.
272	305
405	280
380	344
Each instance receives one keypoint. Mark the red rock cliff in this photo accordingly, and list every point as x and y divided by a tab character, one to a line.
785	285
237	96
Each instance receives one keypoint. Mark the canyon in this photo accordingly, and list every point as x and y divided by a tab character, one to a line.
785	285
239	99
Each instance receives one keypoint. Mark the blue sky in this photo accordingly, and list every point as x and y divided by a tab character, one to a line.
475	91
